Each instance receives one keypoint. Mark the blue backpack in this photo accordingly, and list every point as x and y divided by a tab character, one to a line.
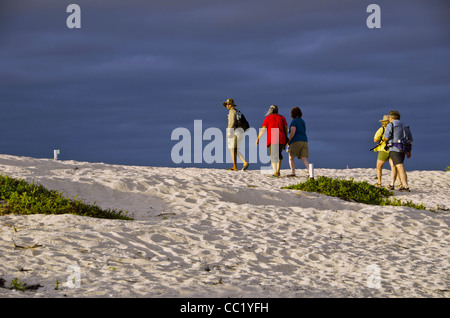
403	144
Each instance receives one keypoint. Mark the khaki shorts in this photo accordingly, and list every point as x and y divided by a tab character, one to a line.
235	141
383	156
299	149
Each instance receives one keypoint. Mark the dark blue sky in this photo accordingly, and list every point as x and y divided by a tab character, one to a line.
114	90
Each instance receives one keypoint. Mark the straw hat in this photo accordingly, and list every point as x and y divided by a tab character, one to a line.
385	118
229	101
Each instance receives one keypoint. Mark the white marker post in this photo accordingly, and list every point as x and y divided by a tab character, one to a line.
311	171
56	152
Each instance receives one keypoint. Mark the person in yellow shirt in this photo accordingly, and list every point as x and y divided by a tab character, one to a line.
383	151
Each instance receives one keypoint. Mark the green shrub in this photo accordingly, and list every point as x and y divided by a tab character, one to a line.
19	197
349	190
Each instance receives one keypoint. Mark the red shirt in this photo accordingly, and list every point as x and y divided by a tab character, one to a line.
275	121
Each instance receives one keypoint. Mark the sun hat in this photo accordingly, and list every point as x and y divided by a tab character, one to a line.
229	101
385	118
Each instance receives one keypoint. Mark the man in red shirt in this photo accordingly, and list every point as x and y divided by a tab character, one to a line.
276	127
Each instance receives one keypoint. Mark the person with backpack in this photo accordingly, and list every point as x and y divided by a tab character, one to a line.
383	151
399	140
237	124
276	127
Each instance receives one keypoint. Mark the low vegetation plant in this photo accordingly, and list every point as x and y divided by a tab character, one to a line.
350	190
18	285
19	197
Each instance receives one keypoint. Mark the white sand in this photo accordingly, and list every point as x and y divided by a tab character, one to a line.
216	233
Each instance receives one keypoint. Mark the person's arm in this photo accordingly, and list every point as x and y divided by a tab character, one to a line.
292	134
261	133
378	136
388	132
231	121
286	132
231	118
410	137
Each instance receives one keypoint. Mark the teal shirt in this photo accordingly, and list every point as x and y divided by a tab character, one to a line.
300	130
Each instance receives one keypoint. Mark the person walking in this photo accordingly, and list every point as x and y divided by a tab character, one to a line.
276	127
298	141
395	132
383	151
234	136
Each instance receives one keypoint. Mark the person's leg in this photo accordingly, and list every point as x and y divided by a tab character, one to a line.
305	162
304	154
278	167
393	176
280	158
403	176
391	163
381	159
275	168
231	143
399	181
396	159
273	152
292	165
379	170
241	156
292	155
239	138
275	158
233	153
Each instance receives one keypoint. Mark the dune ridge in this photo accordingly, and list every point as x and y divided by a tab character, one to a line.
215	233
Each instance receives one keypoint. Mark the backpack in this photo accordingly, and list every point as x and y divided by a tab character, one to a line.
241	121
404	144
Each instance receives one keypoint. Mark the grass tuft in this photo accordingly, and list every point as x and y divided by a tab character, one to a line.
19	197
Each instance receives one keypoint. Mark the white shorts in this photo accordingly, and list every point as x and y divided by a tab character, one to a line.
235	140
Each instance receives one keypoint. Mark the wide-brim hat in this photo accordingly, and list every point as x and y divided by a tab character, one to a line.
229	101
385	118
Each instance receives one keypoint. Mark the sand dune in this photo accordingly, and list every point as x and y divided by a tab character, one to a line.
215	233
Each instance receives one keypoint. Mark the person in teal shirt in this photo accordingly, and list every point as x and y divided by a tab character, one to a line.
298	140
